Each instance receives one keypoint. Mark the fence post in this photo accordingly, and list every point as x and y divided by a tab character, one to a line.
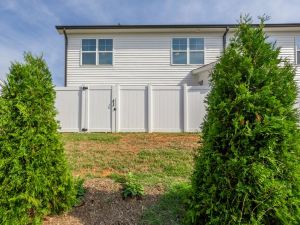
185	108
149	108
84	108
118	105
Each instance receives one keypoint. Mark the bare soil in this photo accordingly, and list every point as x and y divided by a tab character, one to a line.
103	205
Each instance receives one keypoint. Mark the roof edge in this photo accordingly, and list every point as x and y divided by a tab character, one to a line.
163	26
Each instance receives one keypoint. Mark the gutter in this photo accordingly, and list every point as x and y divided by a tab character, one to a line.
224	38
66	52
164	26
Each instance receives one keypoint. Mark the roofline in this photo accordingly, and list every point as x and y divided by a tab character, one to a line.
164	26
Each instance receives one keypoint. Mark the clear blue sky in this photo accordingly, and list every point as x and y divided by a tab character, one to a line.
28	25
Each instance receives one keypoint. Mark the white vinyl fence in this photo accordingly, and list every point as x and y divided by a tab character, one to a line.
123	108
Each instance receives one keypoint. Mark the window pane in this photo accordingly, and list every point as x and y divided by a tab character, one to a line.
179	58
196	44
179	43
105	45
89	58
196	57
88	44
105	58
298	43
298	57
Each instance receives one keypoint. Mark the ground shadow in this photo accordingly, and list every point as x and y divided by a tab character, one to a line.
103	204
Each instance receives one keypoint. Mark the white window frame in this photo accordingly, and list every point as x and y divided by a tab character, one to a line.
82	51
187	51
174	51
296	50
112	52
97	52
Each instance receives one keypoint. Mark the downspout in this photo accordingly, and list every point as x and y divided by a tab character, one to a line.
66	52
224	38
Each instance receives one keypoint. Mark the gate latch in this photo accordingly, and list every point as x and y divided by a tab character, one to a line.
113	104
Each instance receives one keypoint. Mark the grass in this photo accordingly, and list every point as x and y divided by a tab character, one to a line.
170	208
157	161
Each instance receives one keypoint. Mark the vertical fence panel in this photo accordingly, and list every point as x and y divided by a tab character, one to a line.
167	109
196	107
68	105
133	108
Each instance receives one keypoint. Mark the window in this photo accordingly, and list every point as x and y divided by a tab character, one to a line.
89	52
97	52
297	47
196	51
105	48
179	54
188	51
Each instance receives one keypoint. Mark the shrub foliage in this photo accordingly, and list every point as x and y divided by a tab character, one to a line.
247	169
34	178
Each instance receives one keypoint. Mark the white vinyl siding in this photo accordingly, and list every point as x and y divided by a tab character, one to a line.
139	58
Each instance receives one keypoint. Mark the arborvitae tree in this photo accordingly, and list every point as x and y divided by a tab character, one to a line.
34	177
247	170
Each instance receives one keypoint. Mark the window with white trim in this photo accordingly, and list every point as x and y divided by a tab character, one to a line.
187	51
97	52
88	51
105	48
297	48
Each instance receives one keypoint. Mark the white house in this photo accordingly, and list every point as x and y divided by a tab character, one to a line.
147	77
157	54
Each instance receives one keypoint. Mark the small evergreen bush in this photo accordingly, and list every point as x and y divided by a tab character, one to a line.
247	170
34	177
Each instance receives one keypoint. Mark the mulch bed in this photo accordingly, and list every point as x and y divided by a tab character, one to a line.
103	205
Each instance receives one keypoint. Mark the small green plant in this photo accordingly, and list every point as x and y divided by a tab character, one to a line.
131	187
80	191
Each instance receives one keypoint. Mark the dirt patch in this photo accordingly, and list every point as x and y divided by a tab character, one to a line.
103	204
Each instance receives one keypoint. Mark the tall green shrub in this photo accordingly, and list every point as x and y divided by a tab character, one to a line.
34	177
247	169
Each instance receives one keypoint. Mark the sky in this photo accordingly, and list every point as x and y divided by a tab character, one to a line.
29	25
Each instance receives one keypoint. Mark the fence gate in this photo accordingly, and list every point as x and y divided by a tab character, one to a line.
100	109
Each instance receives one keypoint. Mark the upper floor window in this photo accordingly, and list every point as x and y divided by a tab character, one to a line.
105	48
88	52
97	52
297	47
187	51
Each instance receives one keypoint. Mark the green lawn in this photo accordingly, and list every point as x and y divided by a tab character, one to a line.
158	161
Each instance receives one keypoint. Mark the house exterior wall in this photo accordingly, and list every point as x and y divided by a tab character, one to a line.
286	42
138	58
142	58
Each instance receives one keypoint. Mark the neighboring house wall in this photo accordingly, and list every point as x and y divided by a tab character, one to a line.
139	58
